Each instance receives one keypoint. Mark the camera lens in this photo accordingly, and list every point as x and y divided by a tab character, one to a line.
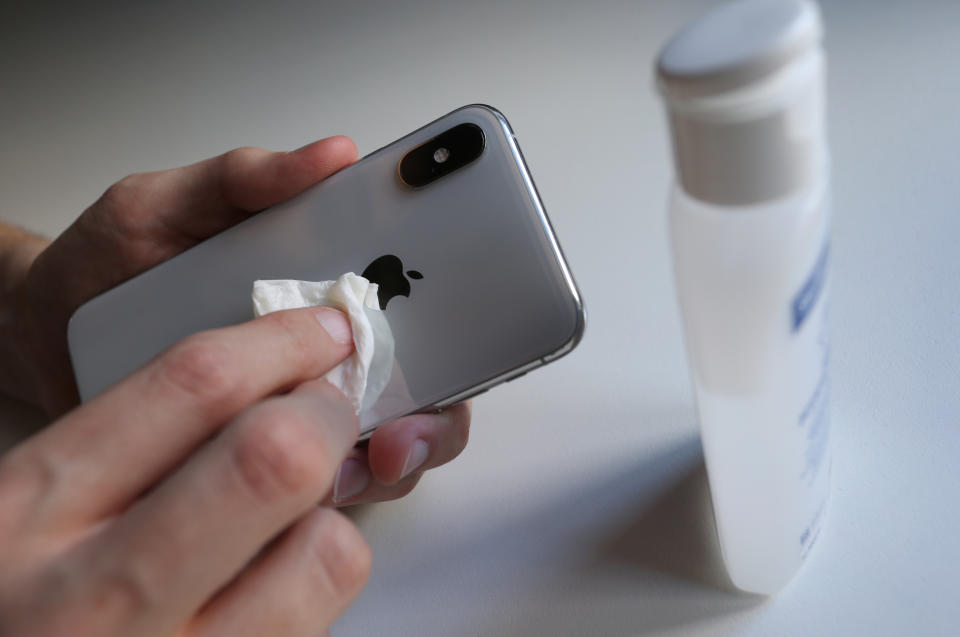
449	151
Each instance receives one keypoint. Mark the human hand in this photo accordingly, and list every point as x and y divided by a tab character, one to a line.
141	221
148	218
183	500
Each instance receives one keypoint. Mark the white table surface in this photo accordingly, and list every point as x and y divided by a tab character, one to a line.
580	506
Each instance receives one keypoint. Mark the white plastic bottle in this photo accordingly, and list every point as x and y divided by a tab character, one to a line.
749	218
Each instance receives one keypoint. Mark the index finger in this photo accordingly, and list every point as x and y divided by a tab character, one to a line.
109	450
207	197
147	218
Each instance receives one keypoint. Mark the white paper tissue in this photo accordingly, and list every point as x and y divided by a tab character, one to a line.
363	376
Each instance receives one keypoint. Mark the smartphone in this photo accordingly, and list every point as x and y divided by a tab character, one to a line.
446	220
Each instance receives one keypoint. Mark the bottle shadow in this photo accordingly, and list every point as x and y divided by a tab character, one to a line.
675	535
633	551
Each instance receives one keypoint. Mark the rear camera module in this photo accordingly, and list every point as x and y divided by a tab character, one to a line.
449	151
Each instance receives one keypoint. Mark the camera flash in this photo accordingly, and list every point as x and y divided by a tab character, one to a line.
441	155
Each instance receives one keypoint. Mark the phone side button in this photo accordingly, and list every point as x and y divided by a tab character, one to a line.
510	380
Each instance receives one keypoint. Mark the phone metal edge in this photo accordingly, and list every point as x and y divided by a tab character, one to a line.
580	308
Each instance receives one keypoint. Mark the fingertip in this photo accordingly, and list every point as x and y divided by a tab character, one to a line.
391	450
388	449
460	416
394	451
345	146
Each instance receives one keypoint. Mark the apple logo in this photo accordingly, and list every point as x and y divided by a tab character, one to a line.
387	272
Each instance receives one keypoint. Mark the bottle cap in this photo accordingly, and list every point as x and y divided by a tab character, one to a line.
744	90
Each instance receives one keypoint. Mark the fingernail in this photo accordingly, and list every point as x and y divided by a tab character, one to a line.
352	478
336	325
417	455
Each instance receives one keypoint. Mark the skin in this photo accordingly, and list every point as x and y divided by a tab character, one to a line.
197	496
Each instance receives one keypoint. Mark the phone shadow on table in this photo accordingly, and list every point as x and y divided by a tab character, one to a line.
645	558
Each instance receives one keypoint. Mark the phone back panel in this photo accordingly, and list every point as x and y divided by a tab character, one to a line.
495	298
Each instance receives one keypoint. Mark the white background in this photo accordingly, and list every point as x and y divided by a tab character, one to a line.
580	506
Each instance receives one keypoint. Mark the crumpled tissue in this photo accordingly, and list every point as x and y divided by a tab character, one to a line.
363	376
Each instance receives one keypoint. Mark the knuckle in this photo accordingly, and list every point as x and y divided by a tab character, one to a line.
127	579
126	195
126	210
279	454
233	170
241	156
25	480
200	367
123	593
236	162
130	587
341	558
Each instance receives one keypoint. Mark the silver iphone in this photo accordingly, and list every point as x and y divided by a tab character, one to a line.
446	220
